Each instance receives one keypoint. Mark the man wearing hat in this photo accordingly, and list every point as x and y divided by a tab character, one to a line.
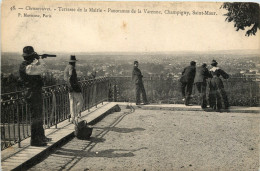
202	74
75	96
139	86
30	75
187	80
216	86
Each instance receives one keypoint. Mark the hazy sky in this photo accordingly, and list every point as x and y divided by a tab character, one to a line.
101	32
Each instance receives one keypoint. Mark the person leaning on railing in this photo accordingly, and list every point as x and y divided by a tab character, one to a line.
202	74
137	77
30	75
187	80
216	87
75	95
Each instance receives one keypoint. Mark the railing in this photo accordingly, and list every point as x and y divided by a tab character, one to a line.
241	91
15	115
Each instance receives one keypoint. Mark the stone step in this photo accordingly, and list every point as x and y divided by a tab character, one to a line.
182	107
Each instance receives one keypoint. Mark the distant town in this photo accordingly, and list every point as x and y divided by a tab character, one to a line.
162	64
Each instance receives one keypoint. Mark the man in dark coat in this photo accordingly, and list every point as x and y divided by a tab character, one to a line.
30	75
187	80
216	87
139	86
202	73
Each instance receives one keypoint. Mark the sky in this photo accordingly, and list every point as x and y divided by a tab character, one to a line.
114	32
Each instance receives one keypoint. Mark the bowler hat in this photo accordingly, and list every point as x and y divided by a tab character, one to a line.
204	65
28	51
192	63
214	62
73	58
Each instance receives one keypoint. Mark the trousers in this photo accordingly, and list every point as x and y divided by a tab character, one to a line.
201	87
35	102
139	89
186	90
76	104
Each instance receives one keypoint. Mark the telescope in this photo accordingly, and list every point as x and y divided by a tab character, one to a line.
46	55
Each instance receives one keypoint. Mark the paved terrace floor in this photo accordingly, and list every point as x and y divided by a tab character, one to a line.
151	137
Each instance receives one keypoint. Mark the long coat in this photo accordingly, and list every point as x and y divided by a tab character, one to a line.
137	76
202	73
188	74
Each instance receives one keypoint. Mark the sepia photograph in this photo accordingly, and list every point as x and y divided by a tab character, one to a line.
130	86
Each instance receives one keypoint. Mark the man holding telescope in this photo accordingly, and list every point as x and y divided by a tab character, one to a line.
30	73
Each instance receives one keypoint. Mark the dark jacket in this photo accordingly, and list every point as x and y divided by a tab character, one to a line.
31	82
137	76
188	74
202	73
70	76
216	71
216	82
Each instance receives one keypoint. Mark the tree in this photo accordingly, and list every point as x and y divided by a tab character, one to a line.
244	14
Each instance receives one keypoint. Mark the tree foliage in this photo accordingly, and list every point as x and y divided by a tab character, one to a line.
243	14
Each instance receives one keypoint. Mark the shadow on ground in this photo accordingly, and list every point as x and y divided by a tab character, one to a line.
96	140
212	110
120	130
110	153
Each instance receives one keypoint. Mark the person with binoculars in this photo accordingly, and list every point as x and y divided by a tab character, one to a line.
30	74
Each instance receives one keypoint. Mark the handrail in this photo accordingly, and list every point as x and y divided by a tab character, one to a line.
15	115
242	91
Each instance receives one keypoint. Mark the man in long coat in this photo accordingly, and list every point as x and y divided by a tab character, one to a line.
187	80
202	73
139	86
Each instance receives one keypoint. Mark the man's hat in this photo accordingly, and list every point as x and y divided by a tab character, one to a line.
192	63
214	62
73	58
28	51
135	62
204	64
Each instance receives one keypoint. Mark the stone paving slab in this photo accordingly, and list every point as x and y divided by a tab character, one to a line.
14	158
182	107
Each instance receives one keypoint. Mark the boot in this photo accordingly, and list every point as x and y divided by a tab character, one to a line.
187	101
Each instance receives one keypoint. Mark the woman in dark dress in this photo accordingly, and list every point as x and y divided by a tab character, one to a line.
217	93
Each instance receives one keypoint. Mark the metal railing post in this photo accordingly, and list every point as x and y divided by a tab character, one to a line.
18	125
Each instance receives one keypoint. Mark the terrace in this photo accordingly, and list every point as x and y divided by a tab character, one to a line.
103	94
15	117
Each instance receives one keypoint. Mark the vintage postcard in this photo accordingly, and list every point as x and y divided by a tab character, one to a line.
182	76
